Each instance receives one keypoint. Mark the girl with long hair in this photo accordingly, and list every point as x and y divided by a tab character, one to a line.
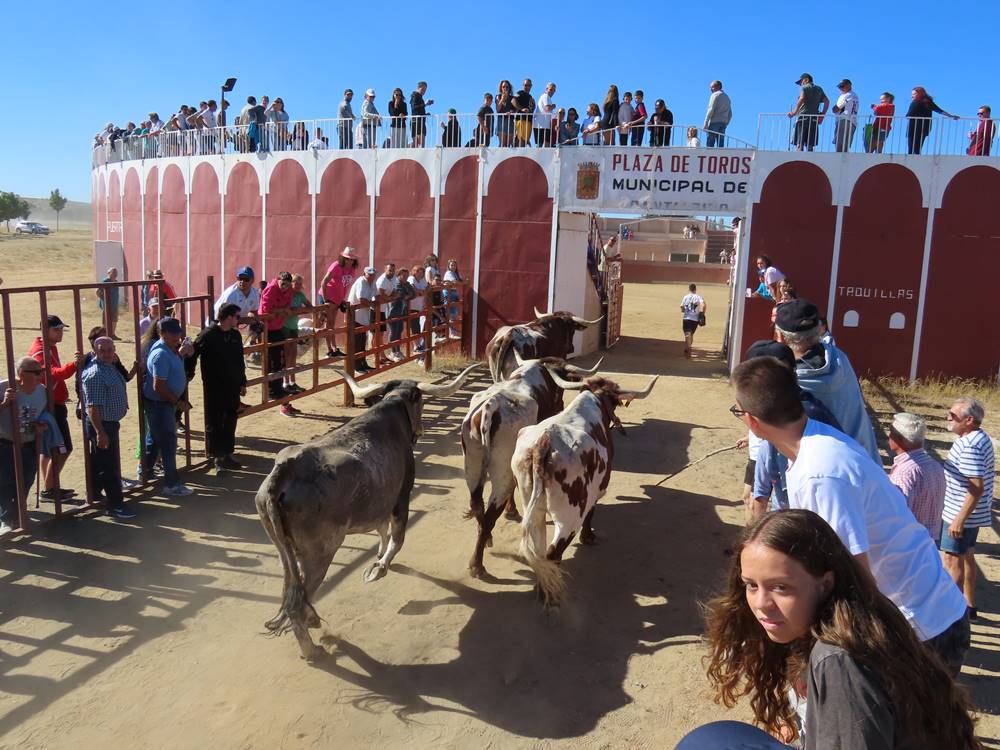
609	116
918	118
397	119
504	103
799	611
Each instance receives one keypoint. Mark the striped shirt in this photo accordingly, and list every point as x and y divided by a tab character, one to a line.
970	456
103	386
921	480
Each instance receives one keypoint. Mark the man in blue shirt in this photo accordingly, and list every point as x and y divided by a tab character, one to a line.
162	394
106	401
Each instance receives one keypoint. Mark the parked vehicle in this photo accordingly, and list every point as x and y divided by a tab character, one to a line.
30	227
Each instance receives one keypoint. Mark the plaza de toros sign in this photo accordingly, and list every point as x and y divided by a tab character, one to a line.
667	179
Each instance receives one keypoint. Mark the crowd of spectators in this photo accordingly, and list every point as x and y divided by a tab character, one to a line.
509	118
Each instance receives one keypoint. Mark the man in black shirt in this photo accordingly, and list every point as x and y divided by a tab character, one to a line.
418	114
223	376
524	103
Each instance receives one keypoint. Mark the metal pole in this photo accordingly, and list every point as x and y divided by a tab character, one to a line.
89	489
49	384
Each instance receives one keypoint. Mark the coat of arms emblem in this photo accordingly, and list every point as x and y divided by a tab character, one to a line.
588	180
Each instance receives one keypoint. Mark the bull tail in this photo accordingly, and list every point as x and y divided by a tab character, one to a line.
476	475
551	585
496	365
295	604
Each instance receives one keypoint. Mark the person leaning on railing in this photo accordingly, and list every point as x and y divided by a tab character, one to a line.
28	396
981	137
569	129
918	118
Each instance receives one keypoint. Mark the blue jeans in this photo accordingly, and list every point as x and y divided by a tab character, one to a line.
8	480
161	439
716	135
729	735
106	464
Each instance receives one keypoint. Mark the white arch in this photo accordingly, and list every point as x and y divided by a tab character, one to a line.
851	319
897	321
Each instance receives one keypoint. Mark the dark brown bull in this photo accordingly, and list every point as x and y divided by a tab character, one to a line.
549	335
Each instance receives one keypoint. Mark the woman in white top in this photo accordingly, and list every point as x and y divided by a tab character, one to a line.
692	315
693	141
452	276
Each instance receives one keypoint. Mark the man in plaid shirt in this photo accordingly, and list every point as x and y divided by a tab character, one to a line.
919	477
106	403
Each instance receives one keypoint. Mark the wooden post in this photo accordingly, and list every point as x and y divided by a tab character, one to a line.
428	329
375	316
15	431
349	358
186	415
264	360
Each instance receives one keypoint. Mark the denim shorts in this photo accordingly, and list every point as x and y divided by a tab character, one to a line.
959	546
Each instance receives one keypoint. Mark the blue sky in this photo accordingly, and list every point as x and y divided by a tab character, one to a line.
71	67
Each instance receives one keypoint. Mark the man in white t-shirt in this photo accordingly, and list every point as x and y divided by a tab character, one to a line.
831	475
846	110
968	494
542	122
692	308
242	292
363	290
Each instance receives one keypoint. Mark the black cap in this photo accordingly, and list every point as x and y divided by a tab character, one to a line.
796	316
803	77
55	321
170	325
845	82
770	348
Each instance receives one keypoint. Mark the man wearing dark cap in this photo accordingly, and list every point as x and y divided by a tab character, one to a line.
769	471
223	375
826	372
55	381
241	292
810	108
846	110
163	389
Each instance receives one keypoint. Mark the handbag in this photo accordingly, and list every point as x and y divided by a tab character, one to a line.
701	318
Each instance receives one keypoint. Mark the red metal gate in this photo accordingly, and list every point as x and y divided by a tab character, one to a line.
615	291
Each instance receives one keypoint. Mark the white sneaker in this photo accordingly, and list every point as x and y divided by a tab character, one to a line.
5	528
178	490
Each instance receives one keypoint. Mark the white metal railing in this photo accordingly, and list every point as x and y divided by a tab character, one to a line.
937	136
775	132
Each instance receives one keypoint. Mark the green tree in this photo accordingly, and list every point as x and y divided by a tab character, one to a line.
57	203
12	206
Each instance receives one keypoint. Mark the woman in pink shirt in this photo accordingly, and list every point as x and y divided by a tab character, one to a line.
333	291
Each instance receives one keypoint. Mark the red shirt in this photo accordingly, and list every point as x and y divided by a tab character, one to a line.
275	298
162	290
982	138
883	116
59	374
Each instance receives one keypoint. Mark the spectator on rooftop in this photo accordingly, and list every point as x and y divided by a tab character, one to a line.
397	119
810	108
884	112
609	115
627	117
505	113
718	116
846	110
569	129
345	121
544	111
918	118
661	124
370	120
693	140
452	135
981	138
299	139
483	134
277	121
418	114
524	105
591	126
320	142
638	130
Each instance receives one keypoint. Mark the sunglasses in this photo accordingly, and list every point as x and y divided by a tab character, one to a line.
737	412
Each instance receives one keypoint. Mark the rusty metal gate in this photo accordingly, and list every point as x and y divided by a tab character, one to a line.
615	291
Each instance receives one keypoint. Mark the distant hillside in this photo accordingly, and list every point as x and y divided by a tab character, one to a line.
75	214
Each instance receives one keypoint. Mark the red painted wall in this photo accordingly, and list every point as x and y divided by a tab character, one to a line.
132	230
173	229
457	230
404	215
102	210
514	251
342	214
243	223
206	253
114	227
289	222
881	252
960	311
793	224
151	200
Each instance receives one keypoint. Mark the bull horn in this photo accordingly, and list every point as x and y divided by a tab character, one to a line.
361	392
581	370
446	389
633	395
587	323
567	385
517	357
538	313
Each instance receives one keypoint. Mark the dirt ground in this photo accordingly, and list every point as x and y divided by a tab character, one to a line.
149	633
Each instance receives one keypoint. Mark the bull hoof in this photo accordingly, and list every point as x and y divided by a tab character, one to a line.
489	541
313	652
477	570
313	621
376	571
513	515
589	538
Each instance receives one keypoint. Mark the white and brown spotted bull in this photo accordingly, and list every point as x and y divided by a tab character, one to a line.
549	335
562	467
355	479
489	432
